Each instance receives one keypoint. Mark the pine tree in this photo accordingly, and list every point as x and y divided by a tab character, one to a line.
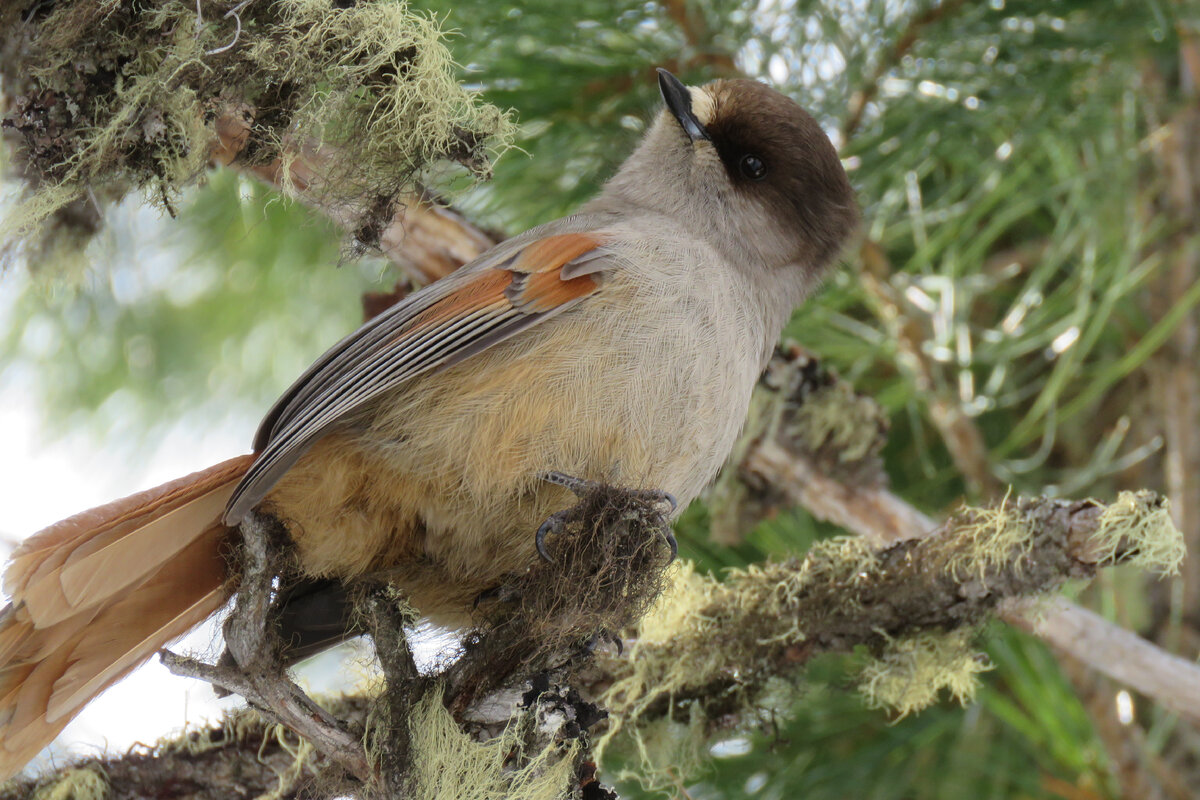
1021	307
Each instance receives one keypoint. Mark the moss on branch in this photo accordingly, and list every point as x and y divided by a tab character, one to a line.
106	96
712	648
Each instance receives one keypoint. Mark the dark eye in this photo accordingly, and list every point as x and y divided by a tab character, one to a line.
753	167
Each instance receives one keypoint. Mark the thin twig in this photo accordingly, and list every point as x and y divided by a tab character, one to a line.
863	97
1108	648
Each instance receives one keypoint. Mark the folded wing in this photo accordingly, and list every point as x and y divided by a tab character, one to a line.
503	293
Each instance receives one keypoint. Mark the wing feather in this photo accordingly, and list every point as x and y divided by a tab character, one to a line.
492	299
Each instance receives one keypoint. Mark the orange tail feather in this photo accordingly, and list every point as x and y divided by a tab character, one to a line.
96	595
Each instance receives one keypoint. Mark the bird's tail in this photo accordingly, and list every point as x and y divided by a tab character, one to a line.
96	595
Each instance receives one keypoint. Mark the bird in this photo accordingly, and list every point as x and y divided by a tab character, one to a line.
619	344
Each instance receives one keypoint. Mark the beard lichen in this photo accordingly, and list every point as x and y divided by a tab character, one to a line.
448	764
105	97
75	784
912	671
1140	522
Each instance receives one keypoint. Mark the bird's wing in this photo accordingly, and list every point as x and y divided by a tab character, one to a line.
499	295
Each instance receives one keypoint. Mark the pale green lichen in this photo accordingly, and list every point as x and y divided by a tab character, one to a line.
715	644
1136	529
912	671
837	418
1141	522
703	631
75	784
241	725
703	627
301	751
120	95
447	764
984	539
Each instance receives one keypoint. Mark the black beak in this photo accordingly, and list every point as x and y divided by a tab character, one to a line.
679	103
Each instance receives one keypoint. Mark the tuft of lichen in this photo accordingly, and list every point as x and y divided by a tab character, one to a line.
75	784
1140	522
912	671
110	96
448	764
704	629
836	418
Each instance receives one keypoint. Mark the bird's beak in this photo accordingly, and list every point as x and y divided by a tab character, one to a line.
679	102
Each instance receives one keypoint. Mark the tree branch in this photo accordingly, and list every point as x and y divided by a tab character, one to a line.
1108	648
425	238
725	639
731	636
257	671
787	465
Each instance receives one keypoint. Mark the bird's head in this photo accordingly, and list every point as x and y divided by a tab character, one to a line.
748	169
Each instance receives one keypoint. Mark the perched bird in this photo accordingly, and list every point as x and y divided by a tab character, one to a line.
620	344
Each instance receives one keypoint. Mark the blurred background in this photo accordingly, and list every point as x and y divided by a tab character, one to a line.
1022	304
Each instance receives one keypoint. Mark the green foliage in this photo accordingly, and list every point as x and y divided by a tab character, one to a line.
208	319
830	745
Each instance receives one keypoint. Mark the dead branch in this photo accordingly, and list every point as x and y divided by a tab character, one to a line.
257	672
1120	654
424	237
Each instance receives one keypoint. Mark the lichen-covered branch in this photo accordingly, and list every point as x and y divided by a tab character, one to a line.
705	653
913	604
783	469
242	756
107	97
255	669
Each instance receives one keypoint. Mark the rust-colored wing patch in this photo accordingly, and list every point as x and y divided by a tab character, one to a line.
554	252
539	285
532	283
545	291
478	295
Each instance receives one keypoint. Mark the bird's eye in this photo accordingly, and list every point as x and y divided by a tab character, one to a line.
753	167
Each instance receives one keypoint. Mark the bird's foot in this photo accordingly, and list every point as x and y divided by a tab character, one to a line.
553	524
603	636
580	487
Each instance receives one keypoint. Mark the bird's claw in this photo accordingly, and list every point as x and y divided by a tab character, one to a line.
601	636
672	543
553	524
580	486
